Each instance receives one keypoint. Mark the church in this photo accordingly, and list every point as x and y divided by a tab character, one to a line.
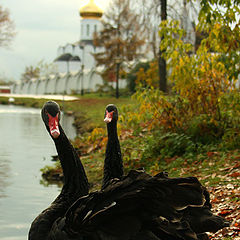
77	72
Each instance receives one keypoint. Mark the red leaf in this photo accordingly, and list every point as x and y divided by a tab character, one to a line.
237	225
235	174
225	212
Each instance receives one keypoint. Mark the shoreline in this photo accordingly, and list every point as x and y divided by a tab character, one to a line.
49	96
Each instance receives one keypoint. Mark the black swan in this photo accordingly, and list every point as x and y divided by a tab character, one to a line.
75	180
200	219
113	164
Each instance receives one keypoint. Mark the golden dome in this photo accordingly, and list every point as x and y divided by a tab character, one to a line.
91	10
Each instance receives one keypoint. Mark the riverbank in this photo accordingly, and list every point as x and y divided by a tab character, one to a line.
12	96
218	170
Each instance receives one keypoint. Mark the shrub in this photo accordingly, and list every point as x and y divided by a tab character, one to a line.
167	145
202	129
132	75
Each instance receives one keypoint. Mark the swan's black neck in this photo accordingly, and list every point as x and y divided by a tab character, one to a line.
75	179
75	186
113	165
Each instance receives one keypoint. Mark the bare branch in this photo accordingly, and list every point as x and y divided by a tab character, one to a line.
7	28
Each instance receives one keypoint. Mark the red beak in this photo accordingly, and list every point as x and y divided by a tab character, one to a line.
53	125
108	117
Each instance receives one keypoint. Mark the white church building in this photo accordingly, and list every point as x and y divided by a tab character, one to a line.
77	72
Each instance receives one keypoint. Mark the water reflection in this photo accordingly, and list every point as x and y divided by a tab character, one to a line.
4	173
47	183
25	147
67	123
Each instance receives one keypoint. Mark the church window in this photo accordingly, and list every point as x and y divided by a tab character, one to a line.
82	29
88	29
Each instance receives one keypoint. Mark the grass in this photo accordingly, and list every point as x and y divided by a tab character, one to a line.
212	168
28	102
93	109
213	171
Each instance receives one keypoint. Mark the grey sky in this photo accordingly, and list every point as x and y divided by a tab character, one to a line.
42	26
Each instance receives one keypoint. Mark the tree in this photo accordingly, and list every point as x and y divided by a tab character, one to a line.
204	81
132	76
29	73
162	66
220	20
120	39
6	28
155	11
149	12
5	80
205	108
40	70
47	69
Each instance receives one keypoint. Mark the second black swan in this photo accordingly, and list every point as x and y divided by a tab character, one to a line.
113	164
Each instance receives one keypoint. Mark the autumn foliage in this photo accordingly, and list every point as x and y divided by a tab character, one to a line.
203	84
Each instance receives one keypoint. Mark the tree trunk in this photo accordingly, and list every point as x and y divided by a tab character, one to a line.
117	80
118	58
162	67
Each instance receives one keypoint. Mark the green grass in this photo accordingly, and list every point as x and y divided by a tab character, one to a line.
28	102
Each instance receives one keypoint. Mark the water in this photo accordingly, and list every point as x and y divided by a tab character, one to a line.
25	148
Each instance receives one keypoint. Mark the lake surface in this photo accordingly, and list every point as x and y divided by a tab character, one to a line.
25	148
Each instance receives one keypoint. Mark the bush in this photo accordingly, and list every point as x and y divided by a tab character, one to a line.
204	130
167	145
231	139
132	75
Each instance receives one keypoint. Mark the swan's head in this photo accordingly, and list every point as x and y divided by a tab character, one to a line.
111	113
51	116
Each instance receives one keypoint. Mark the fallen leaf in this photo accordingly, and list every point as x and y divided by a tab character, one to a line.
235	174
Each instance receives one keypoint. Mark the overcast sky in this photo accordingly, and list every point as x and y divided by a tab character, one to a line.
41	26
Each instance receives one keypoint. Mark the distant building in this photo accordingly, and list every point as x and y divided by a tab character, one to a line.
5	89
77	70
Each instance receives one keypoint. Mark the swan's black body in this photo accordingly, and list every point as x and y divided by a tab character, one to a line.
75	180
137	207
113	165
